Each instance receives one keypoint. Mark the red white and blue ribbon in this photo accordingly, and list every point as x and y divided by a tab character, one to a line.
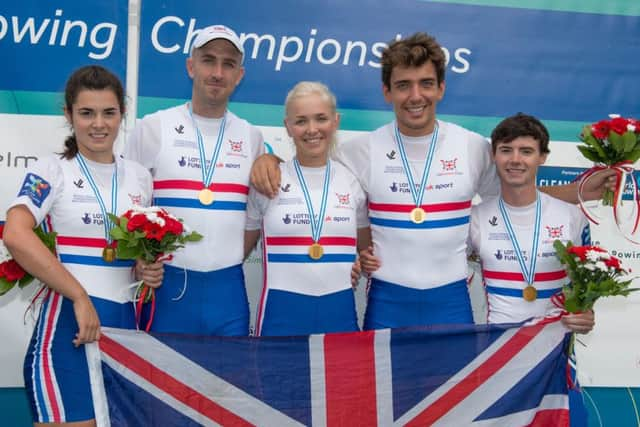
622	170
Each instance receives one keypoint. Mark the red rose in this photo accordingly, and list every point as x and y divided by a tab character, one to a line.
601	129
619	125
173	226
153	231
613	262
11	271
136	222
579	251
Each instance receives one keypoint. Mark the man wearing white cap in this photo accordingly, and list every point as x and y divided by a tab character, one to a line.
200	155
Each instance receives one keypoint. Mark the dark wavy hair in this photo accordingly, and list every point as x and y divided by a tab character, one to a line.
90	77
520	125
414	51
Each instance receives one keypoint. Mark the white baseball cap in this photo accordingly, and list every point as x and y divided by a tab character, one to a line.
213	32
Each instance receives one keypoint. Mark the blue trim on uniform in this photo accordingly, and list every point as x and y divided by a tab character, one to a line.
290	313
69	363
438	223
176	202
391	305
35	344
510	292
94	260
305	258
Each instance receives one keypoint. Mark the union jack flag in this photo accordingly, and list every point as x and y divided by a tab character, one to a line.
502	375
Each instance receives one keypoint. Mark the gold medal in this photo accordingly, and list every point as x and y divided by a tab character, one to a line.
418	215
316	251
109	254
529	293
205	196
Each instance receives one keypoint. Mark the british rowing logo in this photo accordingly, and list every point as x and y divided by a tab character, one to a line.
343	199
554	232
236	146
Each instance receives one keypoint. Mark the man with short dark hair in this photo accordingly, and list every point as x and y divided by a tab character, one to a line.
420	175
200	155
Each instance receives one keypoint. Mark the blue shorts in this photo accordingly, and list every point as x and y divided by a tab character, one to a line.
290	313
212	303
394	306
56	374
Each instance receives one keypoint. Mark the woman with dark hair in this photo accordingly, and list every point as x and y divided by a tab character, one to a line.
71	194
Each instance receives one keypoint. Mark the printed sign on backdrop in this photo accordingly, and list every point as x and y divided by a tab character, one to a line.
58	37
489	72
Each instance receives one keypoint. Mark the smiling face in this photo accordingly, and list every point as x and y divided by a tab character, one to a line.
216	69
414	93
95	116
517	162
312	123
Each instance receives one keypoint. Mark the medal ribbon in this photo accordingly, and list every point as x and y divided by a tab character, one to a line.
528	274
207	173
108	225
416	193
316	227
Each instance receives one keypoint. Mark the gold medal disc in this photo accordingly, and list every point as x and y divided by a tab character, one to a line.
529	293
109	254
418	215
316	251
205	196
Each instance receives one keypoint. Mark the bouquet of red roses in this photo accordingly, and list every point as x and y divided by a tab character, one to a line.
612	144
150	234
594	273
11	273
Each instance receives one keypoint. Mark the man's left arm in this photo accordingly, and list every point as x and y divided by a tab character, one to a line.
592	189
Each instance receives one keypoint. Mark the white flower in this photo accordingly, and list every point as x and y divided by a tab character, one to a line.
631	128
4	253
614	116
593	256
152	217
589	267
602	266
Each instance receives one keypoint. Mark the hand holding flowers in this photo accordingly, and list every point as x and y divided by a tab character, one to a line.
612	144
149	235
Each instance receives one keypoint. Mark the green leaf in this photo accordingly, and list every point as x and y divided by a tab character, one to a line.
25	281
117	233
616	142
193	237
597	146
5	286
590	153
629	141
115	219
571	305
124	251
634	155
